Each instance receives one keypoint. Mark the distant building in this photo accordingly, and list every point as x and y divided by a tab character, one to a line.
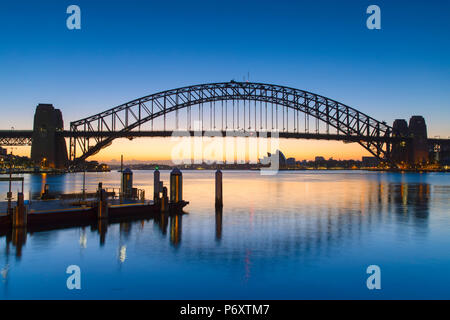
319	159
281	159
290	161
369	162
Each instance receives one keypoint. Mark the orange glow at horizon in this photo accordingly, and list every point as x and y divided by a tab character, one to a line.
160	149
142	149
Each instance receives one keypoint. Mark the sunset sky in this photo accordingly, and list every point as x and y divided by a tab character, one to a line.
129	49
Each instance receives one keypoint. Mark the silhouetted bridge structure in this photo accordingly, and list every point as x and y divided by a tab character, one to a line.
220	109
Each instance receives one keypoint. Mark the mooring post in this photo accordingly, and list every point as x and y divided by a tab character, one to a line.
219	211
164	200
20	212
219	199
84	182
9	194
127	183
176	186
102	203
9	197
46	194
156	183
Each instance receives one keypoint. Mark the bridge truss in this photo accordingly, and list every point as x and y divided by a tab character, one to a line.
15	138
230	106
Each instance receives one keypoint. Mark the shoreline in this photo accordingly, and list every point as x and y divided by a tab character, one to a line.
56	172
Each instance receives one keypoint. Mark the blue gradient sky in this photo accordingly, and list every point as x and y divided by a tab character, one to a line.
128	49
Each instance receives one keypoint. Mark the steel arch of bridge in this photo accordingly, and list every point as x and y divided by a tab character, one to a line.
130	116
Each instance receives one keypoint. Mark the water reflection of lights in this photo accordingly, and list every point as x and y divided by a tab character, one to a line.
404	193
83	240
307	232
175	230
43	182
4	272
123	254
247	263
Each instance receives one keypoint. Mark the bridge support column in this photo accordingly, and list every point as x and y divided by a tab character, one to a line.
418	151
399	151
413	151
48	149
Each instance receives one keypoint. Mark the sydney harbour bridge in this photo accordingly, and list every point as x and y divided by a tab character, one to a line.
257	109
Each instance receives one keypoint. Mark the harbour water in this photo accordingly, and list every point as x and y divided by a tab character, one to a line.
295	235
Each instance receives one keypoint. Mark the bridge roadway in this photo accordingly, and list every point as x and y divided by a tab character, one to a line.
24	137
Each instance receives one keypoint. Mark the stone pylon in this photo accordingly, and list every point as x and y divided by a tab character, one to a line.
48	148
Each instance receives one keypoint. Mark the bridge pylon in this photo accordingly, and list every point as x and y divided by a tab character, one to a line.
48	148
411	150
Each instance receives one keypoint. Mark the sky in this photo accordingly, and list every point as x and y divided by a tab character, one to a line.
129	49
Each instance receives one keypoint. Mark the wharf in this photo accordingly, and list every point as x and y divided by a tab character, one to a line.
53	211
54	214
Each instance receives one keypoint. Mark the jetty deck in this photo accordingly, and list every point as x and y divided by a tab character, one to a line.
101	206
53	214
59	205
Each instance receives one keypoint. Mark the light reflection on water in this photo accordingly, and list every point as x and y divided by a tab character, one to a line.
290	236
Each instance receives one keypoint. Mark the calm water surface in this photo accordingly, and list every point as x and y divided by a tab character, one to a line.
296	235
